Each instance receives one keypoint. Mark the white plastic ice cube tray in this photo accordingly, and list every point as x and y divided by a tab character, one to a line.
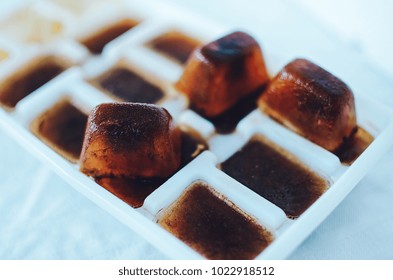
157	18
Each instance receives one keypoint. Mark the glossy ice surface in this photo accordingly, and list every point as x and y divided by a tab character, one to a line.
276	175
213	226
174	44
22	83
63	128
130	140
222	72
126	85
312	102
96	42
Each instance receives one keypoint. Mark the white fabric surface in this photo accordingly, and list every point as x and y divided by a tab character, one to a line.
365	24
42	217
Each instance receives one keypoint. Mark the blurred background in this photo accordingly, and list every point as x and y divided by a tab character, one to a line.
365	25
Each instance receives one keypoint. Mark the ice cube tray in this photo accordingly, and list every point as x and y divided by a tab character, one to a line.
130	49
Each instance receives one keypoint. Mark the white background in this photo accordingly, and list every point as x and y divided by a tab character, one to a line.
364	24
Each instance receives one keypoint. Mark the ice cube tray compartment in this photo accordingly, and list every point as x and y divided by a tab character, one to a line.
56	57
203	168
107	75
132	51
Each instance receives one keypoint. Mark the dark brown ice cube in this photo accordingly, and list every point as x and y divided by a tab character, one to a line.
214	226
133	191
125	85
275	175
98	41
33	76
354	146
312	102
222	72
192	146
62	127
175	45
130	140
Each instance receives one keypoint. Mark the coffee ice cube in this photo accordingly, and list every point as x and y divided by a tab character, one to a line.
312	102
130	140
219	74
28	79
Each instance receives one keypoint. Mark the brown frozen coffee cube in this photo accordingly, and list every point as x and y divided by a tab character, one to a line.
222	72
276	175
175	45
62	127
312	102
124	84
131	191
212	225
130	140
97	42
25	81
